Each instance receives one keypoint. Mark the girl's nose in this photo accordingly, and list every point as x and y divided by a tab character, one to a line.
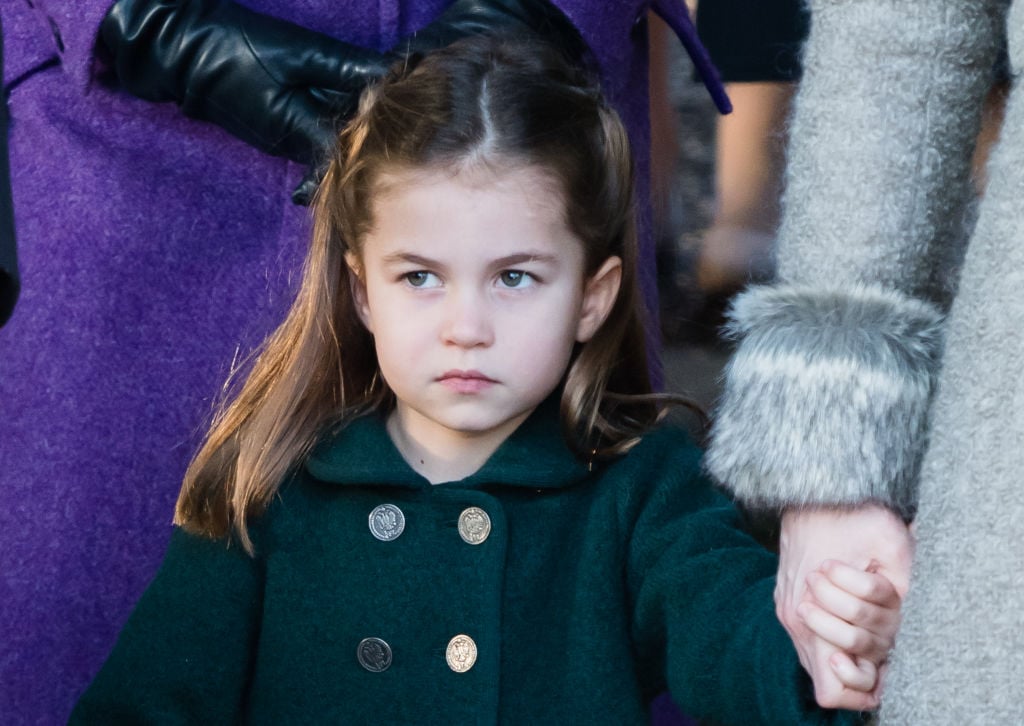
467	322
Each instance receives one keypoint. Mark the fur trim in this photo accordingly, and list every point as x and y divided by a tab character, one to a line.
826	398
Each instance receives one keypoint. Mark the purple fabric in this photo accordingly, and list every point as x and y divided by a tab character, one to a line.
678	19
28	40
664	712
154	252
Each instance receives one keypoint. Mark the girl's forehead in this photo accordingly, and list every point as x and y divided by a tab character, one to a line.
502	210
501	176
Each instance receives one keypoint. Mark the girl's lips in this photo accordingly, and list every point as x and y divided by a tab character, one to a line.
465	381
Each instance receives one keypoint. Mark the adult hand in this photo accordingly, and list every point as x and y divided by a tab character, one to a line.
857	611
868	536
277	86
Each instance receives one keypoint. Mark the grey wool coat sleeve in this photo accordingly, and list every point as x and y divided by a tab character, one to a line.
826	399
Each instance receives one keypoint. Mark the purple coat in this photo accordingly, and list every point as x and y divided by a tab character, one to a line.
154	252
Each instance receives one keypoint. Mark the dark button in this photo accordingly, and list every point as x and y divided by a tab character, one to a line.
374	654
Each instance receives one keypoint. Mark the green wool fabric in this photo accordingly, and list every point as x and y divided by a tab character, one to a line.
594	591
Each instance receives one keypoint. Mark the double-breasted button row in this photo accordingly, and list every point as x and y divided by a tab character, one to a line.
387	522
374	654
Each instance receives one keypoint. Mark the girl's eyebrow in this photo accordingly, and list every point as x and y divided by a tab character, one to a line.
408	257
521	257
506	261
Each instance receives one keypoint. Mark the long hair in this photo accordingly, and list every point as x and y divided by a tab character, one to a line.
491	100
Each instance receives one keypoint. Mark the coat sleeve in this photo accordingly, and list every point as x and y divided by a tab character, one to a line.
826	398
186	652
71	27
703	613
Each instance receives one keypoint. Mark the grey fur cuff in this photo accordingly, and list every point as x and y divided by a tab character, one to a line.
826	398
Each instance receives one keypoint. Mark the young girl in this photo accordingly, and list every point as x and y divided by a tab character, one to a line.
439	496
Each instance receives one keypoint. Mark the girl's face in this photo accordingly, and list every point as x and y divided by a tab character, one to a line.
474	289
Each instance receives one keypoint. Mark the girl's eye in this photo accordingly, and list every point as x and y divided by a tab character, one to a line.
421	278
515	278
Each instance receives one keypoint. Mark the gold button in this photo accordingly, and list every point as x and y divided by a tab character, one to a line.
461	653
474	525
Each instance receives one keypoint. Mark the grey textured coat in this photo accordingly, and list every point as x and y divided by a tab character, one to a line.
886	364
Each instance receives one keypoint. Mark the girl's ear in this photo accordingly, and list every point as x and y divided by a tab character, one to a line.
358	286
599	295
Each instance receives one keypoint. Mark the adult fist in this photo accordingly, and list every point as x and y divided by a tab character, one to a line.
869	535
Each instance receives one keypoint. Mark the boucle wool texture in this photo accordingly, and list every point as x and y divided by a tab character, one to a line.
877	188
594	589
878	169
960	653
883	130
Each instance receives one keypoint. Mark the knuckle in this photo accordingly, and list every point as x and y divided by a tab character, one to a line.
780	613
788	617
859	613
827	698
849	641
863	642
878	590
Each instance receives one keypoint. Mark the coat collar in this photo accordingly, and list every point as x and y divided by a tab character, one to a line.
534	456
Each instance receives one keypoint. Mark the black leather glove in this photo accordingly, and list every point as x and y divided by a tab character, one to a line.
275	85
279	87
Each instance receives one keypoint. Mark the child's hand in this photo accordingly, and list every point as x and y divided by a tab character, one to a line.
856	536
858	612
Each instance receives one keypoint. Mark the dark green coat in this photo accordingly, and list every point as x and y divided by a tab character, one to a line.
593	591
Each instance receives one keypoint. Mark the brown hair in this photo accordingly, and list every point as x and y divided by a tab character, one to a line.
496	101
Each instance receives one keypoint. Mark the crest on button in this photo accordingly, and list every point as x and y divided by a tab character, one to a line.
374	654
474	525
461	653
387	522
